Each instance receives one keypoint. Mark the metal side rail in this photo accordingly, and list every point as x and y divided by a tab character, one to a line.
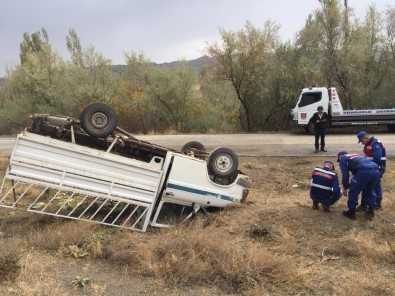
77	205
66	180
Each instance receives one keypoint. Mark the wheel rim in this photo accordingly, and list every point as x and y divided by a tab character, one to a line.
99	120
223	163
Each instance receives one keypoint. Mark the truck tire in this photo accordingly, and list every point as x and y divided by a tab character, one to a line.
223	162
98	120
391	127
194	148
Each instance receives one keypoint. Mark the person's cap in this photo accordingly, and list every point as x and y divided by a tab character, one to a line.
330	162
360	136
320	108
341	152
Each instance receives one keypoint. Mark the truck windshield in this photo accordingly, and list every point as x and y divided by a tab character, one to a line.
309	98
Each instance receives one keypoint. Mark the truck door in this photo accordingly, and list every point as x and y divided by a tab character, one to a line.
184	192
187	180
307	106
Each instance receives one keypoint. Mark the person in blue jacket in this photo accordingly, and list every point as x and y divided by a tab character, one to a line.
365	177
374	150
325	189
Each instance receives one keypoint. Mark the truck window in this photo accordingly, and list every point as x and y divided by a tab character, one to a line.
310	98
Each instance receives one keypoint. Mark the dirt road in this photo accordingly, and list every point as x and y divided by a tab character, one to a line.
270	144
279	144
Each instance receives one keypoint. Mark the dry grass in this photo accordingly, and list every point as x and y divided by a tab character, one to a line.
200	254
275	244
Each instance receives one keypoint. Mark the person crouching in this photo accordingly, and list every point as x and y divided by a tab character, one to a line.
325	189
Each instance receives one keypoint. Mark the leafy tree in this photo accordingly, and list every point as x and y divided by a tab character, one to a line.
159	99
371	67
171	97
74	46
89	77
131	102
217	105
291	72
45	83
243	59
349	54
33	43
31	87
389	86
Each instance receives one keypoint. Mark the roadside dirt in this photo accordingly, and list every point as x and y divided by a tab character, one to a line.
329	254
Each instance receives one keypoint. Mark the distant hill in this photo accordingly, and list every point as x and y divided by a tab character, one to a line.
196	65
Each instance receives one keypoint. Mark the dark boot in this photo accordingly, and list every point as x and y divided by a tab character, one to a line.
362	207
326	208
315	205
370	213
350	214
378	204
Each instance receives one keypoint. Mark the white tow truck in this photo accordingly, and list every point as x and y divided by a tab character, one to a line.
90	169
312	97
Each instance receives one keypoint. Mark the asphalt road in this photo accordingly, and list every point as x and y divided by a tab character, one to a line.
279	144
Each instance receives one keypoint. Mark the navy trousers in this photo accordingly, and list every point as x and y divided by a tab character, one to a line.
364	181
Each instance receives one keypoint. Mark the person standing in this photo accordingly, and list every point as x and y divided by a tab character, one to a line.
319	120
325	186
374	150
365	176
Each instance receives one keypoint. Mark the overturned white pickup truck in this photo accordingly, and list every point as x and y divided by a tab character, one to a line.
90	169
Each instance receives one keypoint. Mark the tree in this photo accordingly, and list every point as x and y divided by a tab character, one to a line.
374	56
390	36
159	98
132	105
34	43
349	54
243	59
170	96
31	87
89	77
217	105
74	46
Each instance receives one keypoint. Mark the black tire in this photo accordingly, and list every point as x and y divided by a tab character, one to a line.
193	146
223	162
98	120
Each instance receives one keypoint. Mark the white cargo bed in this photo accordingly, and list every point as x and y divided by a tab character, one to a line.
67	180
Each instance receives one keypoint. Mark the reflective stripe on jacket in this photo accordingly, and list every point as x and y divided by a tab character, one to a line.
375	151
324	183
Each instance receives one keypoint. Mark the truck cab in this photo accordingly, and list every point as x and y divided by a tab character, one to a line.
306	105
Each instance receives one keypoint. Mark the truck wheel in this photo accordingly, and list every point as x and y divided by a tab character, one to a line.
391	127
98	120
223	162
194	148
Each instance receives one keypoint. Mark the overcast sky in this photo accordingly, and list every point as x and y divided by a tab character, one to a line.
164	30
